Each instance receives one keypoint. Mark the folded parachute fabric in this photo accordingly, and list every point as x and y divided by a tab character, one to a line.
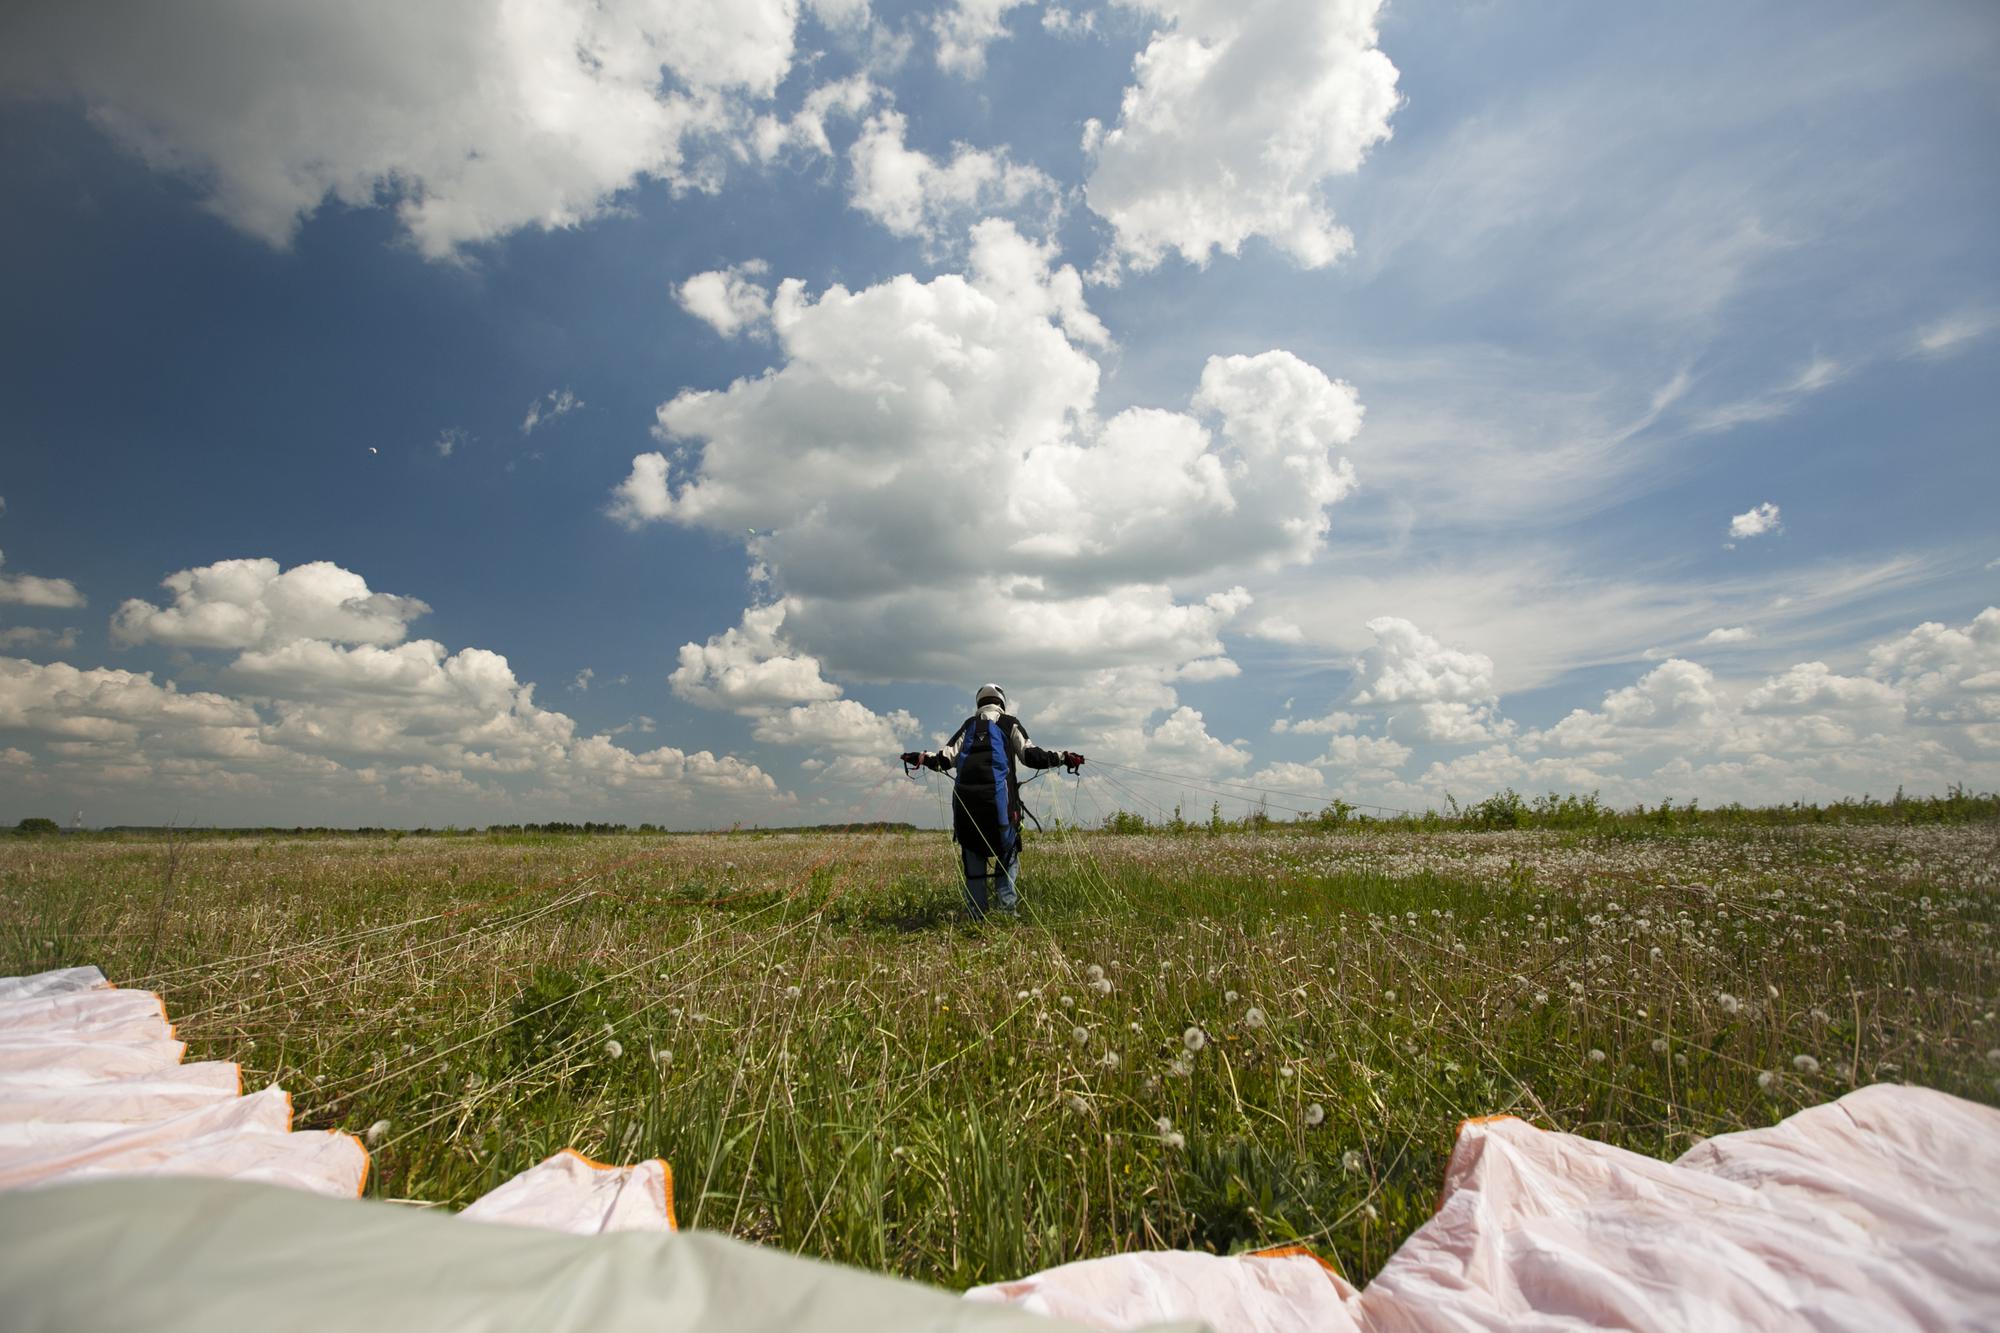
1877	1211
569	1192
92	1086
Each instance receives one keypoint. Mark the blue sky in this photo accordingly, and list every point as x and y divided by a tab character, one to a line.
670	411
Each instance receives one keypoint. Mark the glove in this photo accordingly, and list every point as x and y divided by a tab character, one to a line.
938	763
1072	760
912	758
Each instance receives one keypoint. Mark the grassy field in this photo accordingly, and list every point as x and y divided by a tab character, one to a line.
1214	1040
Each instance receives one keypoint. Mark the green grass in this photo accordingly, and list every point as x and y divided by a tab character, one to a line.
834	1062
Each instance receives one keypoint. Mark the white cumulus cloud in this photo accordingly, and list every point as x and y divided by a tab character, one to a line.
1238	113
914	194
965	28
899	410
472	119
34	590
727	300
246	603
1755	522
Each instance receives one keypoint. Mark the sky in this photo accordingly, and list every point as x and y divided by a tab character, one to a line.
671	410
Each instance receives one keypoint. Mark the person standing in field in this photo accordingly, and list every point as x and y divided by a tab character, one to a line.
988	752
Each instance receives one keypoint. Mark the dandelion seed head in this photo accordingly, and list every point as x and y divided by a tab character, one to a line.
613	1049
1596	1056
1164	1125
1659	1046
1993	1056
1094	972
1174	1139
1110	1060
1368	1211
1078	1105
1068	1003
1080	1035
1314	1114
1351	1162
1020	995
1389	996
1286	1072
1253	1018
1194	1039
1766	1078
377	1132
1805	1064
1102	985
1229	997
1728	1003
1541	998
793	992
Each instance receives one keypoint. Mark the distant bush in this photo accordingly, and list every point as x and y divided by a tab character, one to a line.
37	828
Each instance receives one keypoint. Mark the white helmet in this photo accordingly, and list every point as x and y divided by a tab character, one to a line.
990	694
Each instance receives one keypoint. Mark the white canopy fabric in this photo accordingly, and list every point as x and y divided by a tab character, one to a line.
1877	1211
92	1085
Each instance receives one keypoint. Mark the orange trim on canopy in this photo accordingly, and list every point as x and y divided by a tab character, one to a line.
1458	1134
1294	1252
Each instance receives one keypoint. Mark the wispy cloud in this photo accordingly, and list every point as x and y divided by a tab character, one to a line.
555	403
1947	336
